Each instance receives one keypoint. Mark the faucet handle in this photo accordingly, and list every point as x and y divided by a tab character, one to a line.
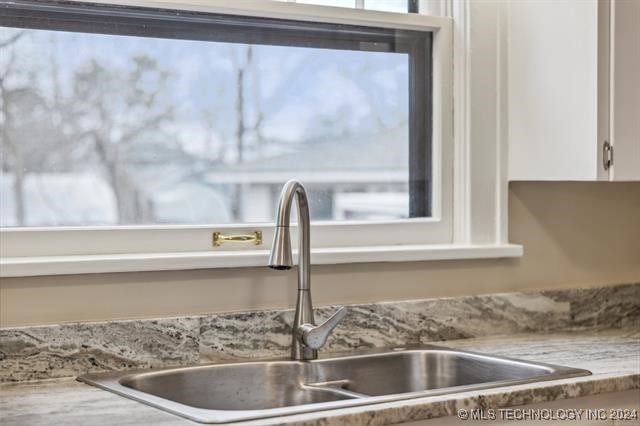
316	336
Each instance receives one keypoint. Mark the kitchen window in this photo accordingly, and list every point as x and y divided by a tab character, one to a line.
116	119
139	130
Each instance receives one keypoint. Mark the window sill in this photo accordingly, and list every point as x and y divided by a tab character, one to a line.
105	263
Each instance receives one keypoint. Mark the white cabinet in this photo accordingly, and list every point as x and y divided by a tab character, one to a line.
573	86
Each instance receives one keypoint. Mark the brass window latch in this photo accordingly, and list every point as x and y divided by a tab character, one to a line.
255	238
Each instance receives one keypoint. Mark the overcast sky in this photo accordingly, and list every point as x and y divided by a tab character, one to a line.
300	90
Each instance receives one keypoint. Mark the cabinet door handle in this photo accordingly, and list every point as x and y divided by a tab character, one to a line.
607	155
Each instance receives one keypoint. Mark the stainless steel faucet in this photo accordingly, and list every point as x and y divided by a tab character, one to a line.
307	337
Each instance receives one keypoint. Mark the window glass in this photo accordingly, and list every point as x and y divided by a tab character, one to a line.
387	5
110	129
336	3
400	6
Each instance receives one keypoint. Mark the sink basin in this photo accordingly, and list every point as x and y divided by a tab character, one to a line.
430	369
245	386
241	391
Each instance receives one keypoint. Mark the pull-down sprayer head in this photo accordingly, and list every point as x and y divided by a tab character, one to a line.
281	257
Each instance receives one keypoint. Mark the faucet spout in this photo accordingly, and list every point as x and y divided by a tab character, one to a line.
281	257
305	341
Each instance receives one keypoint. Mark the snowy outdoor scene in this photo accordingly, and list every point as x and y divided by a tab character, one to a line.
122	130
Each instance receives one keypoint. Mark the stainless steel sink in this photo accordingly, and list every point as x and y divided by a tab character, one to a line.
249	390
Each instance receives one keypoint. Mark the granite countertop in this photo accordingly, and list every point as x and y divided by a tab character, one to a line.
612	355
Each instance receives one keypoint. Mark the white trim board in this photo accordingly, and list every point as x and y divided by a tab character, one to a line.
94	264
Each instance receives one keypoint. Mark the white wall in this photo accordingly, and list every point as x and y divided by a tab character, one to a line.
574	234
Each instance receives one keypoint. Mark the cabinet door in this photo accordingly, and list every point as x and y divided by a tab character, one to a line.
625	90
553	98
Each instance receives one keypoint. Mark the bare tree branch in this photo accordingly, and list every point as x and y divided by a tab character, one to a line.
12	40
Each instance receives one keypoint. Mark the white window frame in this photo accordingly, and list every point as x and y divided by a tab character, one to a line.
469	190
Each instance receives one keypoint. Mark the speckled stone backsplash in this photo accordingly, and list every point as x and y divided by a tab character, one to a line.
42	352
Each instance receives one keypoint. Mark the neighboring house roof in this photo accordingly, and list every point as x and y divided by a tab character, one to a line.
381	157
